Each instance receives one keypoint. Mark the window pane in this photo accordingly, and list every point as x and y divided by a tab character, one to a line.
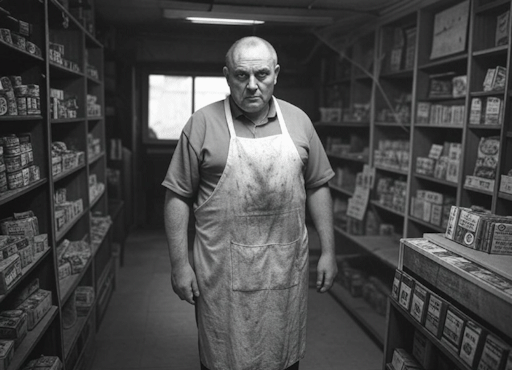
170	105
210	90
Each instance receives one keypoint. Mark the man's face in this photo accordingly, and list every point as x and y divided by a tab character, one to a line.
251	78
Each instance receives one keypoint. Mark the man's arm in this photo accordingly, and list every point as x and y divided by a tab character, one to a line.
320	207
176	217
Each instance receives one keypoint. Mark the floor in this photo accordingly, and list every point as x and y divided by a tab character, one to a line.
147	327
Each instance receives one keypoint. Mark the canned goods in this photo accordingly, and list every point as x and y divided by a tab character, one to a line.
21	103
12	106
34	173
2	167
33	90
10	141
15	180
3	103
21	90
30	47
3	178
15	81
5	34
19	41
17	162
6	83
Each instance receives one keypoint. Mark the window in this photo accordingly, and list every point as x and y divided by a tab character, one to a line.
172	99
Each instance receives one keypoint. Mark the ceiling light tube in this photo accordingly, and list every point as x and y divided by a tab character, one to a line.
224	21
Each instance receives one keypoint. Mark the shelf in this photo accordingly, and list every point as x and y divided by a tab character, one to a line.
96	246
480	191
388	209
403	74
28	117
66	173
94	118
477	278
61	71
427	224
56	121
492	52
27	269
342	190
487	93
491	6
427	125
433	339
95	200
96	158
16	52
354	158
393	124
363	124
22	353
385	248
446	63
94	80
69	283
60	234
505	196
373	322
11	195
71	335
436	180
443	98
485	127
392	170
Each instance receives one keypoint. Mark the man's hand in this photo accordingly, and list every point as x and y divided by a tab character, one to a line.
184	283
326	272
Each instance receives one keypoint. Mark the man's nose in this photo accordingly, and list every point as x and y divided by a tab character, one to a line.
251	84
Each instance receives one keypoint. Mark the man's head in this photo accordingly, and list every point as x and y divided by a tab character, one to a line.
251	72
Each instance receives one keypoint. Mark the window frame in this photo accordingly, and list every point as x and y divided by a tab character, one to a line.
201	72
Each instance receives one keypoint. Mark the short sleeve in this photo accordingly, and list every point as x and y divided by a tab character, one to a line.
183	173
318	170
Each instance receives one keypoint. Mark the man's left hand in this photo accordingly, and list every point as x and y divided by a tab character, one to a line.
327	271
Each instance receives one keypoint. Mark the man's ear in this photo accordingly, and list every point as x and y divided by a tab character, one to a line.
276	71
225	71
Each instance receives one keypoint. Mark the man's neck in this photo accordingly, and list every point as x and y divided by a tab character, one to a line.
258	117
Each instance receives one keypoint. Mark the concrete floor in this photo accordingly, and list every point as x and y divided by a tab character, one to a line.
147	327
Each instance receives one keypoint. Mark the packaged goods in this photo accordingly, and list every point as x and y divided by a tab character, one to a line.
40	243
44	363
436	311
472	341
402	360
419	303
25	292
406	290
27	227
422	350
13	327
6	353
453	329
64	270
494	354
36	306
10	272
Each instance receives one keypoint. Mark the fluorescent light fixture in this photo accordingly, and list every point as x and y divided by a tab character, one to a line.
224	21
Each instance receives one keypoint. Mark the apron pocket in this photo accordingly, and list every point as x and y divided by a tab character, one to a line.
264	267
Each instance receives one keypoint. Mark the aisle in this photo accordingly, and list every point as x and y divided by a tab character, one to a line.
147	327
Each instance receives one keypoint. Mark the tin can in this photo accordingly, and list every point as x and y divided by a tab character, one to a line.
33	90
15	180
3	178
21	90
19	41
21	103
3	103
12	105
6	83
15	81
2	167
9	142
34	173
5	34
31	47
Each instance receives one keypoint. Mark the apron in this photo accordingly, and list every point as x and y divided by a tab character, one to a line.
251	257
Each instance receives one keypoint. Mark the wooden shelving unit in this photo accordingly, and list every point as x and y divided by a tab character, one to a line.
397	52
53	27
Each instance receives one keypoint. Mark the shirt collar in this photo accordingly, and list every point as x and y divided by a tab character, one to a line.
237	112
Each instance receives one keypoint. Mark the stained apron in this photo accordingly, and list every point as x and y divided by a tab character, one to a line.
251	257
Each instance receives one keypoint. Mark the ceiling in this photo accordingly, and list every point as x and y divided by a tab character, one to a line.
147	15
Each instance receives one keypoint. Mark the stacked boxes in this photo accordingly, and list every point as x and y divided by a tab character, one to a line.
391	193
72	257
432	207
44	363
443	162
93	146
18	33
64	159
99	228
392	154
17	168
56	54
62	105
18	99
66	210
439	114
93	108
480	230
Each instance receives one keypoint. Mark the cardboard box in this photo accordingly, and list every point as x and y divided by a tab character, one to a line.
14	328
494	354
406	291
472	343
436	312
6	353
422	350
395	291
10	272
501	239
36	306
419	303
453	329
402	360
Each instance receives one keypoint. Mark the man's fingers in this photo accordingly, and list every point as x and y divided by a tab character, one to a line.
195	288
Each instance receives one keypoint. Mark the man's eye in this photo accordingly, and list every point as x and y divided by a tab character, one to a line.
241	75
262	74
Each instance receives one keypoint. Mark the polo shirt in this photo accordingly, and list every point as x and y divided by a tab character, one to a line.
202	150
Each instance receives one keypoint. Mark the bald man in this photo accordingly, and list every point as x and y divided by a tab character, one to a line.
247	167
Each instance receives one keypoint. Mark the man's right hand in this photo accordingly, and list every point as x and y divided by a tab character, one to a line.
184	283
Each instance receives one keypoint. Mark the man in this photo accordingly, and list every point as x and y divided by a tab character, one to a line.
249	164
